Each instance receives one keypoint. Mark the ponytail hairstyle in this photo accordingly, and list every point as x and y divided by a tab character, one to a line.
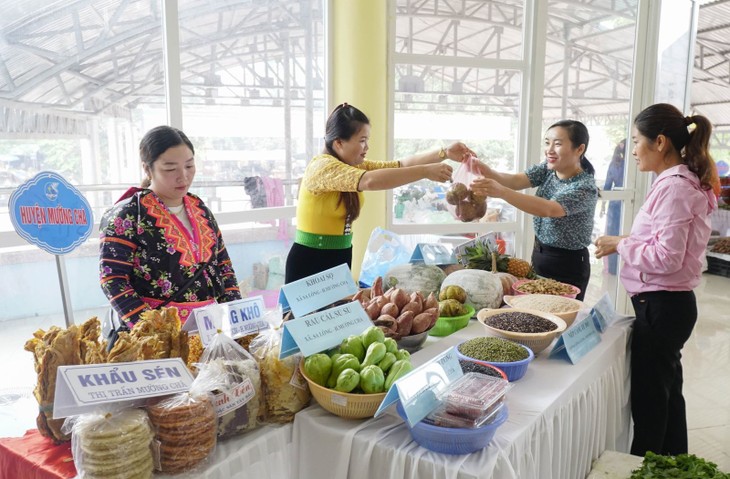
157	141
692	146
344	121
578	134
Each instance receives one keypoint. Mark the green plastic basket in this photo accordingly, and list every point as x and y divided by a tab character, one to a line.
446	325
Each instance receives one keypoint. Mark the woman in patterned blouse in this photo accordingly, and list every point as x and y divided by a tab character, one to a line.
156	238
330	196
563	206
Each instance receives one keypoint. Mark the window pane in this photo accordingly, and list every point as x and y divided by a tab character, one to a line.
253	97
460	28
588	65
475	105
72	78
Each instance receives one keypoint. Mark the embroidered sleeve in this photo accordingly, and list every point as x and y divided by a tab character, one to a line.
118	245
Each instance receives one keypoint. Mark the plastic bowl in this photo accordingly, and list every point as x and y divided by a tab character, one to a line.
535	341
446	325
517	292
452	440
347	405
514	370
414	342
567	316
496	370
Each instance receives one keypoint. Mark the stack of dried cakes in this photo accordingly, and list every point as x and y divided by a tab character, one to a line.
113	446
185	426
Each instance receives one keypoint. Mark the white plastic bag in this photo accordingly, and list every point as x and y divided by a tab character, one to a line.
114	443
239	396
385	250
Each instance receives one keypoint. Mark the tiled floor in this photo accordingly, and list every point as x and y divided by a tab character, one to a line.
706	361
706	371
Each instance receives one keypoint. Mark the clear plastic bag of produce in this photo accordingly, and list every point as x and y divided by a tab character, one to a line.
239	398
461	201
285	390
385	250
113	443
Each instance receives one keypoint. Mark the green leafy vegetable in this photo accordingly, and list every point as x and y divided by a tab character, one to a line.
681	466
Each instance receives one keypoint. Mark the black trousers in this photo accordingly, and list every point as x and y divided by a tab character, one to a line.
304	261
564	265
664	322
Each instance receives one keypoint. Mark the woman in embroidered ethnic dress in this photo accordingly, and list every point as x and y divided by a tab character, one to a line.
156	237
330	195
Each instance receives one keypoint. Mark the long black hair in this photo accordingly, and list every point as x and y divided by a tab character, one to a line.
692	146
157	141
578	134
344	121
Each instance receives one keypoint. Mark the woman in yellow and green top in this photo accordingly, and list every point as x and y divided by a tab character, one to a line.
330	196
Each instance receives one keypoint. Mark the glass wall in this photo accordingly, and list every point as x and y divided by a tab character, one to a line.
458	76
81	83
588	77
460	73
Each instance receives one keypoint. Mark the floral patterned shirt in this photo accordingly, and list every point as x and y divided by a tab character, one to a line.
147	255
578	197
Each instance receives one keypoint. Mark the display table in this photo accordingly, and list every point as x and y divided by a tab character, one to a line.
562	417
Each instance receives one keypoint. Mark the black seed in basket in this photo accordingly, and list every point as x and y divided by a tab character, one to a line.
472	367
519	322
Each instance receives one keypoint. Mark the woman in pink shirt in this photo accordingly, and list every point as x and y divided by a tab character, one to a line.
662	264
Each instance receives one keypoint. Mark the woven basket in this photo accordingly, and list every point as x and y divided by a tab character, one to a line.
535	341
347	405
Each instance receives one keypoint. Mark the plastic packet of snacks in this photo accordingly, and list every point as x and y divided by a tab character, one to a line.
239	398
112	443
285	390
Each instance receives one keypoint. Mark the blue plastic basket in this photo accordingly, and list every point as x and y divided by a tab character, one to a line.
514	370
451	440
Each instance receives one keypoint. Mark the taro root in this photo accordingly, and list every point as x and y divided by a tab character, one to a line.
481	209
468	206
456	193
467	211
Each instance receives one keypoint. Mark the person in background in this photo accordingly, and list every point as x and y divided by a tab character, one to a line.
563	206
614	179
331	198
160	245
662	264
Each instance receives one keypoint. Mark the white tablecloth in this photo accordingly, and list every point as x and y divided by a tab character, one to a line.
562	416
263	453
